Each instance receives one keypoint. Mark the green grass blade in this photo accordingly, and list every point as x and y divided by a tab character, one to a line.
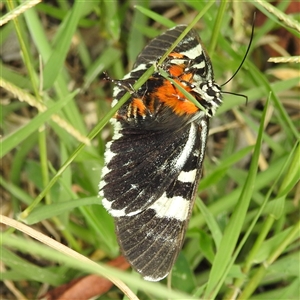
155	16
58	56
29	270
136	39
211	223
217	27
16	191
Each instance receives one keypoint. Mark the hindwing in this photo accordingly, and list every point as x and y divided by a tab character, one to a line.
149	187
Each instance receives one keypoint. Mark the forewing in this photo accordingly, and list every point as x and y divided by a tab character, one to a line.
157	47
154	161
152	239
140	165
191	46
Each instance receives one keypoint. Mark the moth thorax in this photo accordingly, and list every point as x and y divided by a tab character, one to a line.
211	96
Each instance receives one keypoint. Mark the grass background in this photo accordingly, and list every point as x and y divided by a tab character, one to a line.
243	237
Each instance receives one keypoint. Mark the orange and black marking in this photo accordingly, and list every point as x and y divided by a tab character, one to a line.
169	95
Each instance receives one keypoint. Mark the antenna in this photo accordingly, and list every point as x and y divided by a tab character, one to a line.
245	56
236	94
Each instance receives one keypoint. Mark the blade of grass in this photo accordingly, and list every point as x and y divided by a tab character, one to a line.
58	56
9	75
217	27
27	58
272	12
44	160
114	22
211	223
18	11
293	175
29	270
136	39
17	166
155	16
16	191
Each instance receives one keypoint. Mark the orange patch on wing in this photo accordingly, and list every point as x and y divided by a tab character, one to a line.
176	70
172	97
176	55
187	77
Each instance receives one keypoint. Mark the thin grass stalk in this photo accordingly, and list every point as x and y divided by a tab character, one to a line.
217	27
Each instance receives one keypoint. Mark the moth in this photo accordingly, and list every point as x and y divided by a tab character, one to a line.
153	163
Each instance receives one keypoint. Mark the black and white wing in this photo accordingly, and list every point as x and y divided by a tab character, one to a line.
153	163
